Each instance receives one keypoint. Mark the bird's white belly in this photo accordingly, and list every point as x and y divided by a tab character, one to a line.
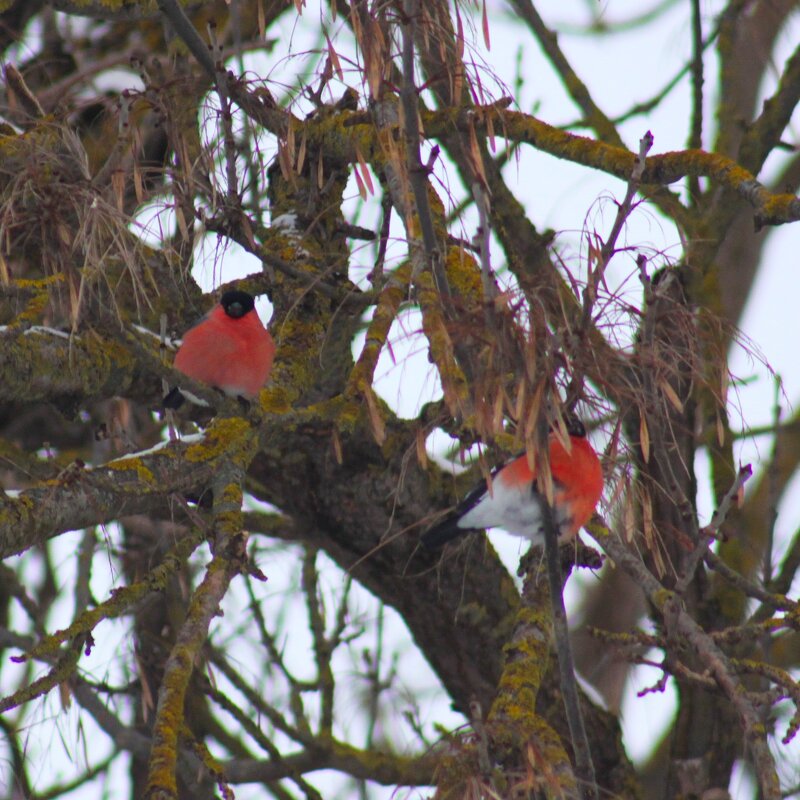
515	509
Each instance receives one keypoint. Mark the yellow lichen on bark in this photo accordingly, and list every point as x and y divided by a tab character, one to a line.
454	383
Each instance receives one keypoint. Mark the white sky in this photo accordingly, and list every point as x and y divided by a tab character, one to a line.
619	71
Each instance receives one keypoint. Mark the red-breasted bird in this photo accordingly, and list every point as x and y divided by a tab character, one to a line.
229	349
515	501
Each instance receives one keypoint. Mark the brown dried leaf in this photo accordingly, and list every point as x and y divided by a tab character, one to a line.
544	478
118	187
301	153
724	380
148	701
560	431
64	695
422	453
531	360
355	21
658	562
671	395
426	26
644	438
180	218
362	190
291	143
475	155
64	234
247	230
647	520
373	72
519	406
613	445
365	171
74	301
284	162
334	57
533	411
460	44
262	20
212	676
629	517
375	418
450	396
5	274
478	89
458	82
618	488
337	446
497	415
374	57
138	186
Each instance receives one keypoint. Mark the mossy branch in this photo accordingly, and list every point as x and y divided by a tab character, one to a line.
138	483
229	560
123	599
60	673
683	629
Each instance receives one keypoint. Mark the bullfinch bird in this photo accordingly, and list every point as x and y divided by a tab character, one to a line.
229	349
515	501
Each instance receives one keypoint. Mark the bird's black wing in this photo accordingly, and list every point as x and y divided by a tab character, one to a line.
448	528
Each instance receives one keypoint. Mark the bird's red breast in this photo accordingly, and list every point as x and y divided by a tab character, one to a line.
578	479
515	500
232	353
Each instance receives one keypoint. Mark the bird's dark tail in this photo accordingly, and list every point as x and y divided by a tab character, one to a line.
442	533
173	399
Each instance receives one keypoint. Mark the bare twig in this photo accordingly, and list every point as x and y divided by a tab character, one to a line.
731	496
480	193
688	630
323	648
221	80
593	114
773	485
483	746
681	627
609	246
749	588
121	146
229	559
24	96
791	562
417	173
709	533
584	768
696	129
172	10
376	275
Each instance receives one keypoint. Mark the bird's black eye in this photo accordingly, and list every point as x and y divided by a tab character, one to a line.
575	427
237	304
